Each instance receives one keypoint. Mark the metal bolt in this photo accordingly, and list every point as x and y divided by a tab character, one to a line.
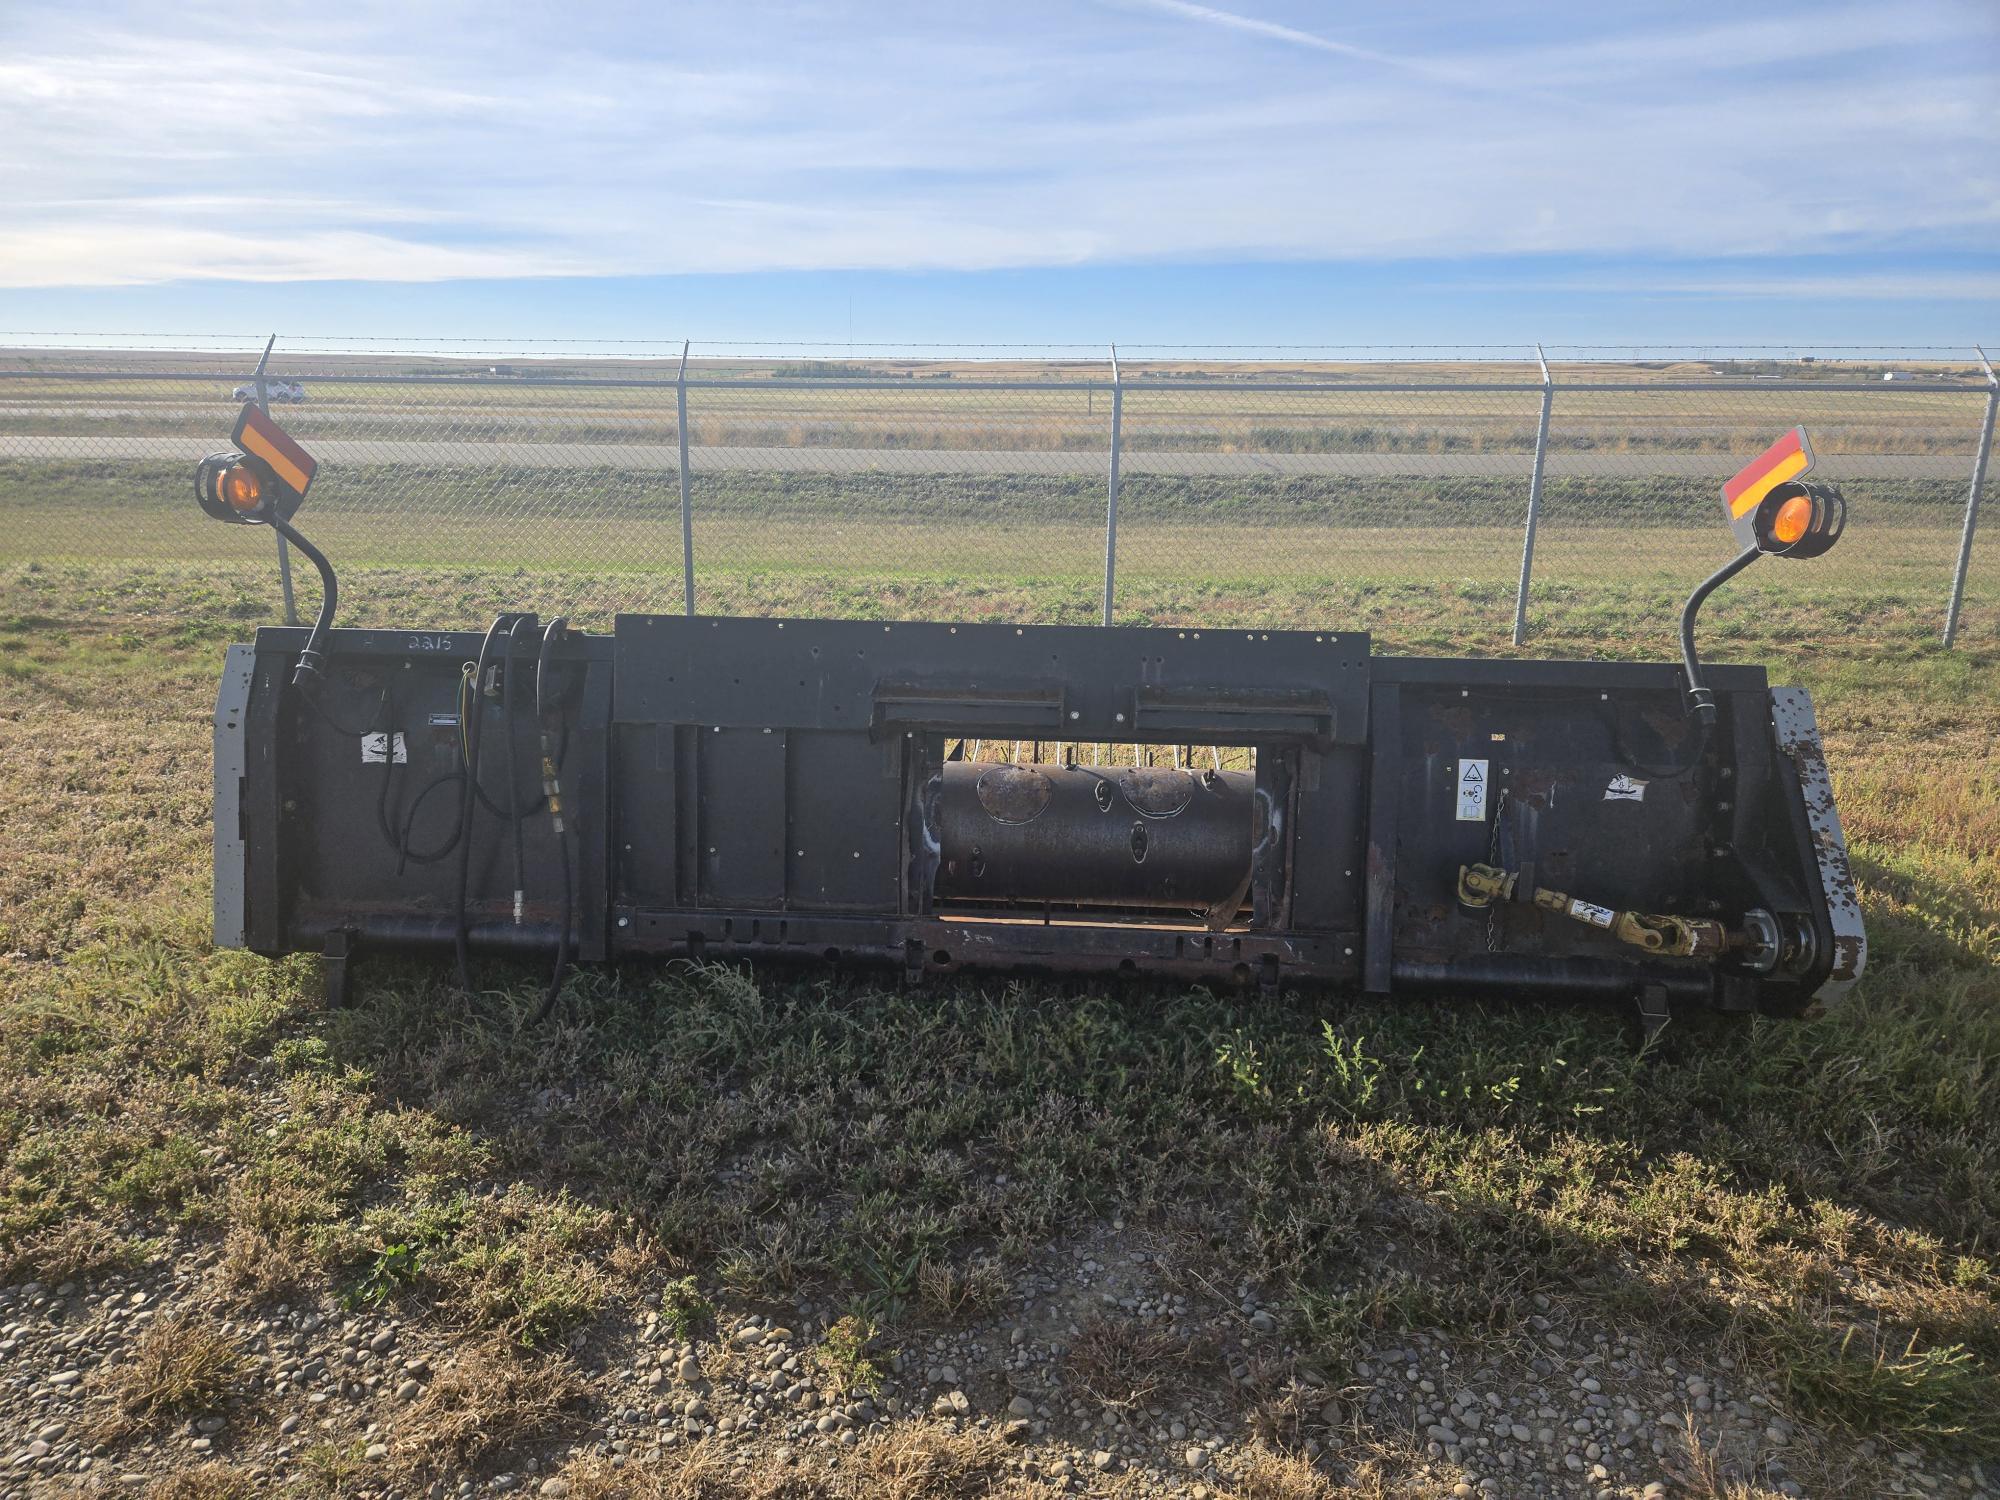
1121	718
624	921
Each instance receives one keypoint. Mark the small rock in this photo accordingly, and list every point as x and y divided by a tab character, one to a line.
408	1390
689	1368
1020	1406
383	1342
555	1488
66	1377
1016	1431
1197	1458
376	1451
1102	1461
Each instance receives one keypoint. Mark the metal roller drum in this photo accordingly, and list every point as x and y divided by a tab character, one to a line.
1150	836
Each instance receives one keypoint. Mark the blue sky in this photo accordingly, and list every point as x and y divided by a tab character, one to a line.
1153	171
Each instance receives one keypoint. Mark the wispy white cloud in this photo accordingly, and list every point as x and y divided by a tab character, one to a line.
381	141
1832	286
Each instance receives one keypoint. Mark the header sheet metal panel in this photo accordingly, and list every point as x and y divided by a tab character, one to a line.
1070	682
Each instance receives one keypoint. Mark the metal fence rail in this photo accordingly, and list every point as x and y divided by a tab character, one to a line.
1113	489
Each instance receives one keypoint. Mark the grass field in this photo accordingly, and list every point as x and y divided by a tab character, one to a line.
1612	553
1814	1205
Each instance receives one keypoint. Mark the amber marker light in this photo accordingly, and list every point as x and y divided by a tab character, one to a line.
242	489
1793	517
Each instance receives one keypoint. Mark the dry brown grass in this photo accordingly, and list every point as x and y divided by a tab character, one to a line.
1122	1363
491	1399
79	1247
927	1461
1263	1474
700	1471
184	1365
913	1461
954	1291
213	1481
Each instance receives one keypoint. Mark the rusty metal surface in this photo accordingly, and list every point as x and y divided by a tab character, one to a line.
1797	731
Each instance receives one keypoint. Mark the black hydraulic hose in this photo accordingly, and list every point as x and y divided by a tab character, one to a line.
405	854
470	728
564	946
552	796
329	597
1701	702
514	815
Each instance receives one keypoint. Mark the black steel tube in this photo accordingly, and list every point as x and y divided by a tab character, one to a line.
1523	977
329	598
1701	702
469	731
1094	836
507	728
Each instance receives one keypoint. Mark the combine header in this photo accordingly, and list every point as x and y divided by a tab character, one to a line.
1229	807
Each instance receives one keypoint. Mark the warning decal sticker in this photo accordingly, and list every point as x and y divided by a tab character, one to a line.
375	749
1596	916
1623	788
1472	791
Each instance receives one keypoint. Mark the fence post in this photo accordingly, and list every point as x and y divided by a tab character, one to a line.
687	508
1111	497
1534	501
1972	502
284	551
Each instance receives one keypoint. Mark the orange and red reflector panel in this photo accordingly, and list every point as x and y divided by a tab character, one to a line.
1765	505
257	435
1785	459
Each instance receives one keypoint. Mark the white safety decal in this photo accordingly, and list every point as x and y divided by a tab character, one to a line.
1472	791
1623	788
1596	916
375	749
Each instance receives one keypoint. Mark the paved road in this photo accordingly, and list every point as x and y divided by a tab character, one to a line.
810	460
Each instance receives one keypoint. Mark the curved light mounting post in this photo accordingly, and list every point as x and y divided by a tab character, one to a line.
262	483
1772	514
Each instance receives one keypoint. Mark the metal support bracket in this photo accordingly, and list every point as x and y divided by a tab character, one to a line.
687	507
1971	528
1534	500
1111	495
1655	1011
284	552
336	967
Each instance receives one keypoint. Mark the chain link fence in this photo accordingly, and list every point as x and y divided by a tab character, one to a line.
1577	491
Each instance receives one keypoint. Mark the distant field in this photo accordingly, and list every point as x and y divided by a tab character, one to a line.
1254	540
934	414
